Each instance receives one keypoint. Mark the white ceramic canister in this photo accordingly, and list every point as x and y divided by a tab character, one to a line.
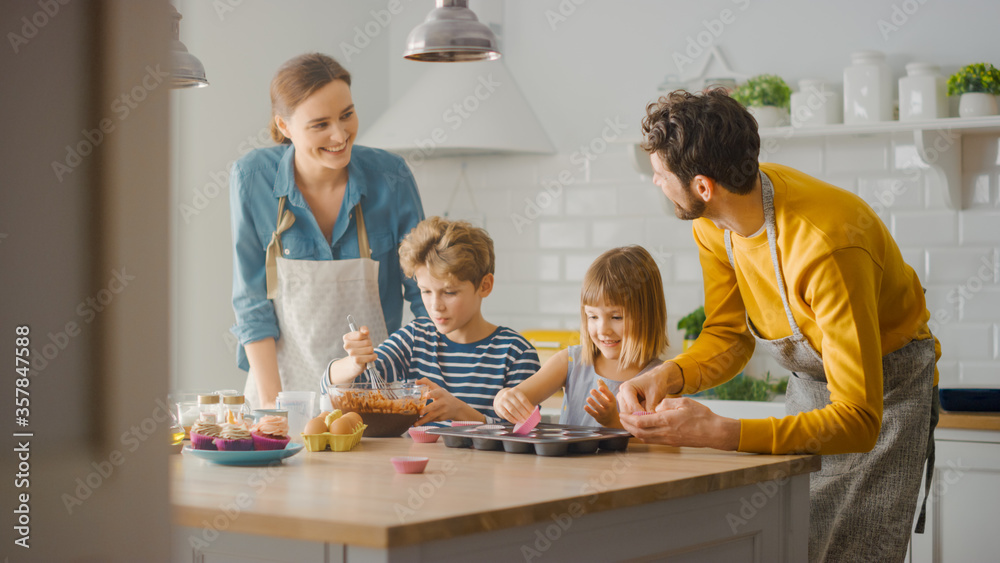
922	93
868	88
816	103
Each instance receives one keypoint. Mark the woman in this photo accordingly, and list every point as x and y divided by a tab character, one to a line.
306	216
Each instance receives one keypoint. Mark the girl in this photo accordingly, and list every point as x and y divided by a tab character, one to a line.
623	330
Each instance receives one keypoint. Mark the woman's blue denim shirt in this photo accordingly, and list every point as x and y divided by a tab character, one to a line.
391	204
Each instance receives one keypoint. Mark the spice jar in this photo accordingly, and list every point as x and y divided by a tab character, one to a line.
868	88
236	409
210	408
815	104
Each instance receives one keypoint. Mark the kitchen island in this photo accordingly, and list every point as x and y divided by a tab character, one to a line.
649	502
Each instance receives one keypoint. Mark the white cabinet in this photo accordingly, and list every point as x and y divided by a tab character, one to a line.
963	509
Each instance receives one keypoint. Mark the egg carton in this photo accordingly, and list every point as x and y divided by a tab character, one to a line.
544	439
334	442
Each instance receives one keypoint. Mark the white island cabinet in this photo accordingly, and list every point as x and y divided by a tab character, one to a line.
648	503
963	509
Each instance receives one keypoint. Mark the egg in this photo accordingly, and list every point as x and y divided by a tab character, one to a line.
343	425
315	426
355	419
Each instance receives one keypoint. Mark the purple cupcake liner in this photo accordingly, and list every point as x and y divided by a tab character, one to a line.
225	445
265	443
202	442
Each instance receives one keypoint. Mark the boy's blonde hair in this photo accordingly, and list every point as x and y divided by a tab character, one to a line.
629	278
455	249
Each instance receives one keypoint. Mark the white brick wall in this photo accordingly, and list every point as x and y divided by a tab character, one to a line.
547	231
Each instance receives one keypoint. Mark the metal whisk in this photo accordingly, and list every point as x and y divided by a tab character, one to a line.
373	375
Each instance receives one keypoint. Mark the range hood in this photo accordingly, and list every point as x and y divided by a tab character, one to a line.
461	109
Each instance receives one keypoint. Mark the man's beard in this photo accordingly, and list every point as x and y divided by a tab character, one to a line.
694	208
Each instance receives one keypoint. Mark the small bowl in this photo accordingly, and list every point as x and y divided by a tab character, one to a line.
420	435
409	464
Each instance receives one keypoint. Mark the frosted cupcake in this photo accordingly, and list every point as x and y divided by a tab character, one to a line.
203	435
234	437
270	433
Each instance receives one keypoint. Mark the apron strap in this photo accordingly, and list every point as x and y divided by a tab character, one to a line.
935	407
285	220
363	248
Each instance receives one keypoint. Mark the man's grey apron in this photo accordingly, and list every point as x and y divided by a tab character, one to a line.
861	504
312	299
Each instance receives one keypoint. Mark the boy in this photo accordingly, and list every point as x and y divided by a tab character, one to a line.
462	357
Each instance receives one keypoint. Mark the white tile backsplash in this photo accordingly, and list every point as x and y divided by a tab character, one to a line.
929	228
597	201
961	265
546	242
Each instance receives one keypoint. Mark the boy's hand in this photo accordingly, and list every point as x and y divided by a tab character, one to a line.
358	345
444	406
512	404
601	405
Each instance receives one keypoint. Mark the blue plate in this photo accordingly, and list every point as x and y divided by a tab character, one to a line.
253	457
961	399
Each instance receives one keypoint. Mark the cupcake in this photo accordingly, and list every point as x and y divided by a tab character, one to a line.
234	437
270	433
202	435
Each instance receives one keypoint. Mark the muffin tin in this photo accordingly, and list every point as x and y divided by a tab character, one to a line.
544	439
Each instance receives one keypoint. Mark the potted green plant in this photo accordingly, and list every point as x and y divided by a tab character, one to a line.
766	97
978	85
691	325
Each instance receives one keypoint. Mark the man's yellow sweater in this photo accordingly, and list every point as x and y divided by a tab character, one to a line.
851	294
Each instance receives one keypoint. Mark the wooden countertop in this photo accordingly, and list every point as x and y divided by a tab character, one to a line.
357	498
970	420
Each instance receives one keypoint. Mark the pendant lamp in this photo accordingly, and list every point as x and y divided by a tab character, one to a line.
187	71
451	33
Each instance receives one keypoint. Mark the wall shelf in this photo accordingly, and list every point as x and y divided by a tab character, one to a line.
938	143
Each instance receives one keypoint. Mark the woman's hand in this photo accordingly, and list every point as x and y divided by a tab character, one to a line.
644	392
359	348
602	406
684	422
513	405
444	406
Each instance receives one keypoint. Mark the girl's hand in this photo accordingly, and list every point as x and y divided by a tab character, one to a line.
444	406
358	345
513	405
602	406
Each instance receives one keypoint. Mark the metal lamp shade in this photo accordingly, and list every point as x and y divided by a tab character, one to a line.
187	71
451	33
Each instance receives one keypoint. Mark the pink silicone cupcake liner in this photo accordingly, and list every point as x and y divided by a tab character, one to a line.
202	442
265	443
420	435
233	445
455	423
408	464
529	424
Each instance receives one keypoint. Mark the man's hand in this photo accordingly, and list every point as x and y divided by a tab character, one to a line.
602	406
444	406
644	392
684	422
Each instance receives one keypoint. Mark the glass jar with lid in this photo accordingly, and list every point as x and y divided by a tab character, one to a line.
236	409
210	408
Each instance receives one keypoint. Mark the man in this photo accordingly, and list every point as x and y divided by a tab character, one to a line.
808	272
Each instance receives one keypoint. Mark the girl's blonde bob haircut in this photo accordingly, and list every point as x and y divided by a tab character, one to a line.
629	278
449	249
